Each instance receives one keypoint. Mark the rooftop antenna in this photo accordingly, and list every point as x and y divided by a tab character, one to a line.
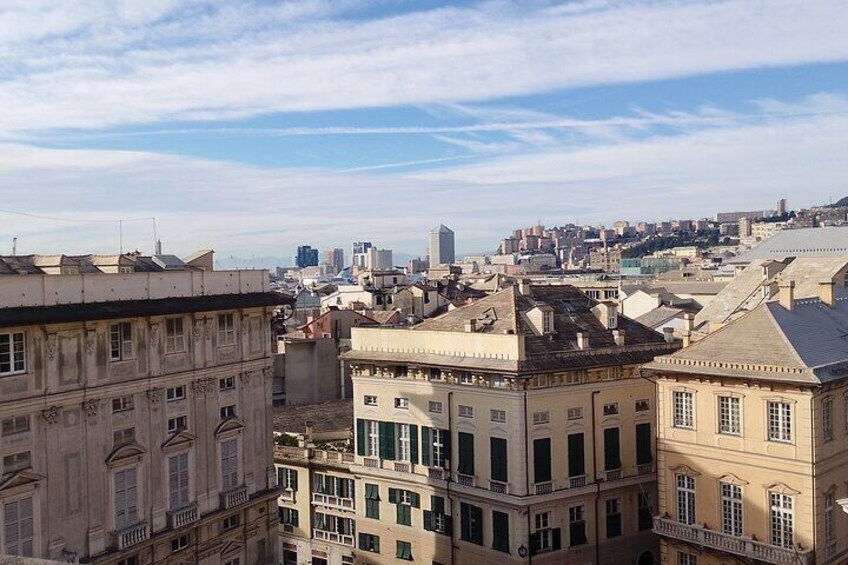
156	243
14	246
121	236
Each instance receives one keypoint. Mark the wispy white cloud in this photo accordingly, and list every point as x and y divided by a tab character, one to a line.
103	64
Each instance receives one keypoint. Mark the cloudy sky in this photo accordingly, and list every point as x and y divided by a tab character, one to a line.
252	127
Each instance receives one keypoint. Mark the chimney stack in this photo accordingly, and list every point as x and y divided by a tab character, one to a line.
687	338
787	294
618	336
470	326
524	286
827	293
583	340
689	322
668	334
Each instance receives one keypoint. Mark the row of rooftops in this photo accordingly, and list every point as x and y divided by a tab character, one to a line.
120	263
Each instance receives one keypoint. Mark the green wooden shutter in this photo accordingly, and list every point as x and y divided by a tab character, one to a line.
387	440
500	531
393	495
498	457
477	518
416	499
425	445
437	504
448	455
535	542
576	455
466	453
612	458
643	444
360	436
363	545
542	460
293	481
428	520
413	444
556	539
381	428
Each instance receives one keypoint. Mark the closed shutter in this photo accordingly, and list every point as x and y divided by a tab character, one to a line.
178	480
126	498
500	531
477	521
643	444
466	454
535	542
229	464
542	460
446	447
393	496
293	480
413	444
576	455
18	527
426	447
498	456
360	436
428	520
387	440
556	539
612	458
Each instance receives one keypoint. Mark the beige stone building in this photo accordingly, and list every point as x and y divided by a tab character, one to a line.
753	437
135	411
511	430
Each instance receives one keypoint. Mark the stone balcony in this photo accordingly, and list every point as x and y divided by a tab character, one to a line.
183	516
333	537
131	535
333	501
234	496
744	547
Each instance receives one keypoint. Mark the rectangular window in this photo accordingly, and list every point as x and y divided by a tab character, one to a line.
12	353
466	454
500	531
370	400
404	444
401	372
17	462
498	459
541	418
126	498
643	405
577	524
684	411
829	521
404	514
779	421
402	403
227	383
827	418
541	460
685	499
497	416
120	341
230	522
471	523
373	431
228	411
122	404
179	544
542	521
611	409
548	322
435	407
287	478
289	517
466	411
612	449
686	558
613	508
18	528
574	413
229	464
644	452
15	425
465	378
731	509
123	437
576	455
646	513
729	415
226	329
174	335
177	424
498	382
435	375
372	501
369	542
404	550
437	440
175	393
782	519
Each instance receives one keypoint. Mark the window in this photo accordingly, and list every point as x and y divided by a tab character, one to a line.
543	531
289	557
547	322
644	452
435	375
369	542
643	405
471	523
226	329
289	517
404	514
287	478
131	560
729	415
227	383
466	454
126	498
401	372
686	558
684	412
611	409
613	508
372	501
782	519
498	382
577	525
466	411
541	460
498	459
120	340
466	378
574	413
229	464
435	519
731	509
174	335
12	353
230	522
498	416
404	443
178	481
123	437
180	543
228	411
685	499
829	521
541	418
123	404
827	418
175	393
402	403
779	421
15	425
177	424
646	513
373	444
18	527
500	531
16	462
370	400
404	550
435	407
612	449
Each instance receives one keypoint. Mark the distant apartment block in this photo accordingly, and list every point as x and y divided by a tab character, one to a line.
306	256
441	246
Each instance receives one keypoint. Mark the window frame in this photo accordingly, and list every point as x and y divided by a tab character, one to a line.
781	519
779	421
732	509
16	366
729	415
685	497
226	329
121	342
175	341
683	409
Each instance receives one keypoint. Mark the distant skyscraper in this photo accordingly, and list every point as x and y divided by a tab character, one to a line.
334	258
360	253
781	207
306	256
442	246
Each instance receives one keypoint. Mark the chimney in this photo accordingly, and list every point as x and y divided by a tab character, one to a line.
668	334
583	340
827	292
309	428
470	326
524	286
688	322
618	336
687	338
787	294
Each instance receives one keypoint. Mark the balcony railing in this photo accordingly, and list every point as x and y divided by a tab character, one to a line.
332	500
465	480
744	547
497	486
373	463
183	516
132	535
334	537
645	469
234	496
544	488
401	467
577	482
435	473
287	495
613	475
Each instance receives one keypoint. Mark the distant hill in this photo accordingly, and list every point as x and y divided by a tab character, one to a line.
841	203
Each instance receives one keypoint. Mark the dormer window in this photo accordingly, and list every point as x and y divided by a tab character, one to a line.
612	321
548	322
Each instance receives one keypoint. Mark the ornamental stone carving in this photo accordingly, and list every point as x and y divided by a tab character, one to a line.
91	406
89	341
52	342
209	329
154	394
154	334
51	415
197	330
202	386
245	377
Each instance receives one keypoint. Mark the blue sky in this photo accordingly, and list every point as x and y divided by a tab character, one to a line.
253	127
